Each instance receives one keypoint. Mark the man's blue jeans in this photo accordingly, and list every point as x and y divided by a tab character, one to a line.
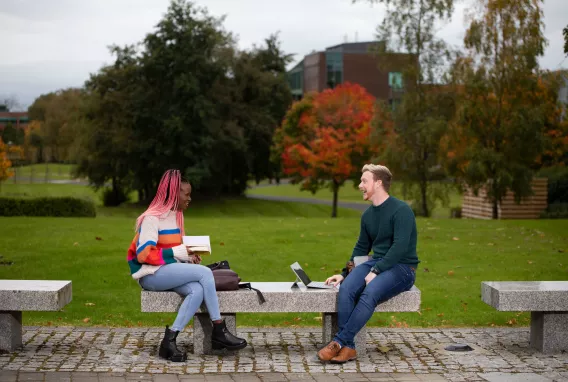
357	301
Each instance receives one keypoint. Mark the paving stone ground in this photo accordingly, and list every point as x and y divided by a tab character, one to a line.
277	354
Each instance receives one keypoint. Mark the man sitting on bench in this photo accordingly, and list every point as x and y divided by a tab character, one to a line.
388	227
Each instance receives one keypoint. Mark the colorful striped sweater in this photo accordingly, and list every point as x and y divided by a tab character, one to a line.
157	242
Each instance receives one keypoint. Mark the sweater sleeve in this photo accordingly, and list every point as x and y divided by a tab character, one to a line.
403	221
363	245
146	250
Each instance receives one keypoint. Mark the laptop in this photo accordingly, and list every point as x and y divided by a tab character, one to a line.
297	269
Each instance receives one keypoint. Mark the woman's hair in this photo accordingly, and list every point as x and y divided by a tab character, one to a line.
166	199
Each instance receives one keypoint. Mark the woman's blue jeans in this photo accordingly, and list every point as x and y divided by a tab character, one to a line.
357	301
194	282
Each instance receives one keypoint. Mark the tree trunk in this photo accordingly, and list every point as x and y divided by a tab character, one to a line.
334	206
424	201
495	209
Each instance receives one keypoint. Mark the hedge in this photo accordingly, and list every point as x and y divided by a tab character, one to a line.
47	206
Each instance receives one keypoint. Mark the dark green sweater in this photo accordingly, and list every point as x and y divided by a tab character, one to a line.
390	231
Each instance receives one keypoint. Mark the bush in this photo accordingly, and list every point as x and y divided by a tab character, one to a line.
456	212
114	198
557	183
58	207
556	211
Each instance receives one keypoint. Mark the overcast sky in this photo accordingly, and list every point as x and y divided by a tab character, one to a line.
52	44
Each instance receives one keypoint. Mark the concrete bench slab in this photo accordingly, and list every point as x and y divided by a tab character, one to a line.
546	300
27	295
281	297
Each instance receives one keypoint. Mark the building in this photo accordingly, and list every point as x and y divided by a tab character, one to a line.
350	62
17	119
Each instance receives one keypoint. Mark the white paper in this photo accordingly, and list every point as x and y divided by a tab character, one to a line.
197	241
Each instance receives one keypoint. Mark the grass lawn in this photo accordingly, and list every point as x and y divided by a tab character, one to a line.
347	193
54	171
261	239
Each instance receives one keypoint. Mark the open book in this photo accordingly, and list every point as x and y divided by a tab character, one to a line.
200	245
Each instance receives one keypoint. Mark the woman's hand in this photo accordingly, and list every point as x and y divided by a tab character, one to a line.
195	259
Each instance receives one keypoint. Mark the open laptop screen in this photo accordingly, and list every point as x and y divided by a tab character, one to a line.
300	273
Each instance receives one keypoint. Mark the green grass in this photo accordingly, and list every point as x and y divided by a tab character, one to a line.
54	171
347	193
261	239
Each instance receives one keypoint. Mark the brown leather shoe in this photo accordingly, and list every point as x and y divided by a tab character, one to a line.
345	354
329	351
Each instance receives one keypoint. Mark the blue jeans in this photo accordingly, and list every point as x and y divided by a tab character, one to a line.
357	301
194	282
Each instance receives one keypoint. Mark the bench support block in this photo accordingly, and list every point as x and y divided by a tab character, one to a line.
203	330
329	329
10	330
549	331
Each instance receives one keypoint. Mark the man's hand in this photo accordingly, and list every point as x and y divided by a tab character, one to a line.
370	277
334	280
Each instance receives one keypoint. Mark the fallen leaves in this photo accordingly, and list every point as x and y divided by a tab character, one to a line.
86	320
450	273
98	238
383	349
455	238
89	304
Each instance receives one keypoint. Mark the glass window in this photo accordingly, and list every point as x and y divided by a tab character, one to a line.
395	80
334	66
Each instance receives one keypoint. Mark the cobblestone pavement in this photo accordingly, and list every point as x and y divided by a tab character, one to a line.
280	354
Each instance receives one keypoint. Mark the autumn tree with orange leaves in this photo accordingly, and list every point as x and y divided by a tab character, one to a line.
499	132
5	163
324	138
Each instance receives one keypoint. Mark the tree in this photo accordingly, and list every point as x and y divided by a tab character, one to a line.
107	139
421	114
565	33
10	103
502	114
324	138
262	96
60	119
13	134
5	163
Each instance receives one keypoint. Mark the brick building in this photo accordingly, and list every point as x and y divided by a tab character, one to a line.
17	119
350	62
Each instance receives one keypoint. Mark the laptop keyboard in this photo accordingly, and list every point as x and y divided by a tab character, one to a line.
319	284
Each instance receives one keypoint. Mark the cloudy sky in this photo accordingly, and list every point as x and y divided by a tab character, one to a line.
53	44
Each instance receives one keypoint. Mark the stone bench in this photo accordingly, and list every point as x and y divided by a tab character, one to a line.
280	297
546	300
27	295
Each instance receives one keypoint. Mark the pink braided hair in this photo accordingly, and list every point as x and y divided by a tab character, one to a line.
166	199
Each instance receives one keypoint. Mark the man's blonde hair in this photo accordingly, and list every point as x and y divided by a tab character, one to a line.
379	173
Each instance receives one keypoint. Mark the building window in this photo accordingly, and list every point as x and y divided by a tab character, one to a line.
334	66
395	80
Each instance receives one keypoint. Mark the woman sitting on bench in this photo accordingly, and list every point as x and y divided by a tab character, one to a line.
160	262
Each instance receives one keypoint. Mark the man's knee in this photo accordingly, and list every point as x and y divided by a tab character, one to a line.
371	300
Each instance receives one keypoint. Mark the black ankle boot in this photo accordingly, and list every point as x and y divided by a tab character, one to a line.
168	347
223	339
